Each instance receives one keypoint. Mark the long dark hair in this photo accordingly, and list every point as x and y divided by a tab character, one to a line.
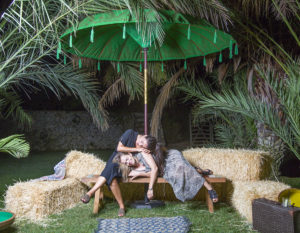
159	153
151	143
159	157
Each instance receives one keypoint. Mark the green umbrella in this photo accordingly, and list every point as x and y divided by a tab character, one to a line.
117	36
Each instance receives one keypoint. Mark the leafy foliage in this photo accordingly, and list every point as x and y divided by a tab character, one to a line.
15	145
284	121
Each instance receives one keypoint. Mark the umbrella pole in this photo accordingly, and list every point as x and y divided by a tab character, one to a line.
145	92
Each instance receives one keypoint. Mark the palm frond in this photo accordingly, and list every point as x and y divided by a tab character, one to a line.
239	101
15	145
161	101
10	106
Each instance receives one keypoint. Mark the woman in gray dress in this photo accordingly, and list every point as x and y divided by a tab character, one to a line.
180	174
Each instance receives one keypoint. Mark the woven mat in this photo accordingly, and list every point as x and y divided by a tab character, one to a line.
177	224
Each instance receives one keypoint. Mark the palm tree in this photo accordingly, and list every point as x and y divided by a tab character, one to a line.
30	33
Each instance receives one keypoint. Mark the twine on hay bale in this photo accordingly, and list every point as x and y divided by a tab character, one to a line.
234	164
36	200
246	191
79	164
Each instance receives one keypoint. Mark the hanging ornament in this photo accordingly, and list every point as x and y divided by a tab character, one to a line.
98	65
185	66
230	49
65	60
58	50
124	31
79	63
220	57
57	54
189	32
162	67
141	68
118	67
71	41
236	50
215	37
92	35
204	61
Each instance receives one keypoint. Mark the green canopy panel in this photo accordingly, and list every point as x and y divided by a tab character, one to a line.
116	38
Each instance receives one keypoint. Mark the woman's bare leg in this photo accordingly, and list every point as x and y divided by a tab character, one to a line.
209	187
100	181
115	188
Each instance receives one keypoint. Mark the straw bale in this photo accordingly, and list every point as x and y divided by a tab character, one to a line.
234	164
79	164
36	200
246	191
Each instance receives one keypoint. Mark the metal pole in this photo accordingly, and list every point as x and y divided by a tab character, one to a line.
145	93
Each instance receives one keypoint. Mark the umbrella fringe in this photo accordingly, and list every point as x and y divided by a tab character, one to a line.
70	41
230	49
220	57
215	37
236	49
92	35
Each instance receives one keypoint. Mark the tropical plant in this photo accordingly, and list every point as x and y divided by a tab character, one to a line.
15	145
282	120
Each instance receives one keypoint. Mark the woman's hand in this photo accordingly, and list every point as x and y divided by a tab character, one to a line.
143	150
150	194
134	174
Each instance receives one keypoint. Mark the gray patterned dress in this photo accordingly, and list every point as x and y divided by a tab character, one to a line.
182	176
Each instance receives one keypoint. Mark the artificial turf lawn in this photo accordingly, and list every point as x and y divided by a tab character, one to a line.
80	218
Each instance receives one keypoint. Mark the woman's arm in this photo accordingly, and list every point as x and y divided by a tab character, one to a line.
153	173
122	148
136	173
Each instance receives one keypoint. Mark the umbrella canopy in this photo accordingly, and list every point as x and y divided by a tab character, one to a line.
114	36
118	36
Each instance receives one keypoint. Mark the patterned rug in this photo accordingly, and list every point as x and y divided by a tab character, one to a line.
177	224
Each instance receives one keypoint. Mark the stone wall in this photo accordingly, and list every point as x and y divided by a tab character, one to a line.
66	130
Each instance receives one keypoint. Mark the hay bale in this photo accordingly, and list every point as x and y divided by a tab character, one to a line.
234	164
246	191
36	200
79	164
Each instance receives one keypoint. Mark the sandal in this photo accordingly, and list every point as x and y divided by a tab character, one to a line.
85	198
204	172
213	195
121	212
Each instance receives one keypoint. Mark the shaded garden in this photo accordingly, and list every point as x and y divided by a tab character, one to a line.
253	97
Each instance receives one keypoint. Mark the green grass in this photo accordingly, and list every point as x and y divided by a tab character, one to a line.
80	218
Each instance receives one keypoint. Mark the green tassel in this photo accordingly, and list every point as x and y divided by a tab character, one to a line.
65	60
204	61
215	37
124	31
141	68
79	63
230	49
92	35
98	66
70	41
118	67
162	67
185	66
58	50
236	50
59	46
57	54
189	32
220	57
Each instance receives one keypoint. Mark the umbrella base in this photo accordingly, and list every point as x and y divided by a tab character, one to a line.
147	205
